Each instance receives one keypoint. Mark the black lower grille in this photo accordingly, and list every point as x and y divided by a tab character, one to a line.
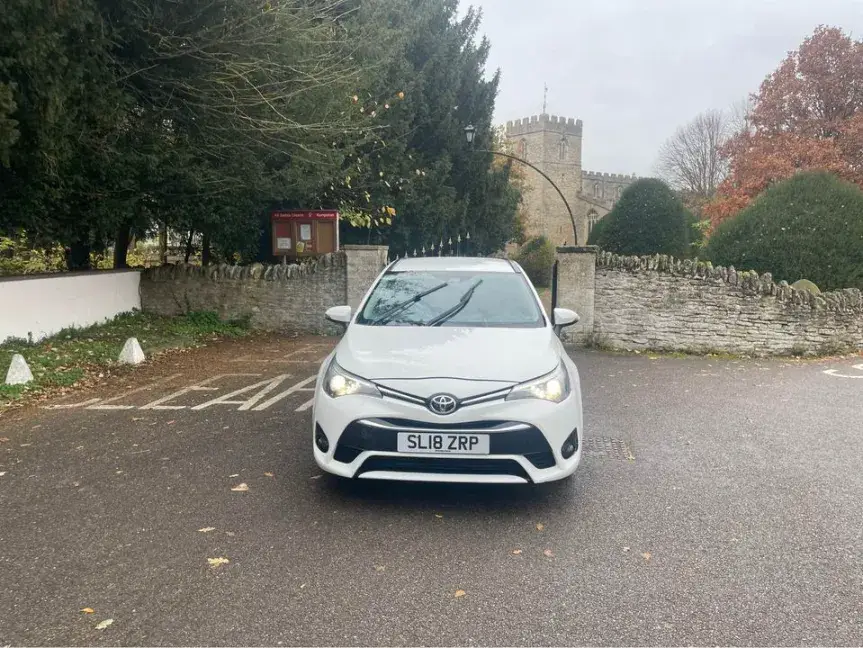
445	466
528	442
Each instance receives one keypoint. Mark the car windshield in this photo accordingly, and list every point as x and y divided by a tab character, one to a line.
448	298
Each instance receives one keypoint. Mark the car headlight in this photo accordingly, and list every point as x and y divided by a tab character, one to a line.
338	382
554	387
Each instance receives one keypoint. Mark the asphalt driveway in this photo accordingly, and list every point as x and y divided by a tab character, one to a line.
719	503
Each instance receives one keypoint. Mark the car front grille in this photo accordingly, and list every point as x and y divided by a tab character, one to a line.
506	438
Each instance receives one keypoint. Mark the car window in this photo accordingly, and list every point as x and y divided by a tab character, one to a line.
499	300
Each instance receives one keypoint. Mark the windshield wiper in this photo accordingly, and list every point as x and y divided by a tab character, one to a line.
455	310
398	308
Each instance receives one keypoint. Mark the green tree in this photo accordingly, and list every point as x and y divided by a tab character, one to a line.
807	227
647	219
537	258
58	112
129	116
425	87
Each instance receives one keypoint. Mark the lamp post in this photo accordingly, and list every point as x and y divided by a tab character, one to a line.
470	132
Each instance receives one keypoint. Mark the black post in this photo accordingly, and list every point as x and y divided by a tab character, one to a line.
553	289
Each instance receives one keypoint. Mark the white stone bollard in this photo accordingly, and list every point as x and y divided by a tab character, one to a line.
19	373
132	352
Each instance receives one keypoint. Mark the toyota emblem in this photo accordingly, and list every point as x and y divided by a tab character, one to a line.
443	404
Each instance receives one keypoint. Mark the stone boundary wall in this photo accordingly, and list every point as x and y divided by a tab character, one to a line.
290	298
666	304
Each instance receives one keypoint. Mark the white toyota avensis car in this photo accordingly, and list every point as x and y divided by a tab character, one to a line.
449	371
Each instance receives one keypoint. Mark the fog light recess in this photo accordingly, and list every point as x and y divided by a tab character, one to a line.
570	445
321	439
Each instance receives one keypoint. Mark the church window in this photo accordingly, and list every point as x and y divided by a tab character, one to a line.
522	148
592	219
596	190
561	149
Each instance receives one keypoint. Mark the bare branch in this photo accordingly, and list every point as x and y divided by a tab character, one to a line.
691	159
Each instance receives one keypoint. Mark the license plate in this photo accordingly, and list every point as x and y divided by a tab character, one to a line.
443	443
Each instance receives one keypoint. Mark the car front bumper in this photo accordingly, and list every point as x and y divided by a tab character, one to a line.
526	436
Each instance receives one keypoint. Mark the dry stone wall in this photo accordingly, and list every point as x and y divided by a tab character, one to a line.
290	298
662	303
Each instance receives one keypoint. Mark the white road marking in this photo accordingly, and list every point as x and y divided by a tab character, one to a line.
296	356
253	403
299	387
201	386
104	404
268	385
306	405
89	401
835	372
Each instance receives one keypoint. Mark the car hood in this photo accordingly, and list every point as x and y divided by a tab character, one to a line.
412	352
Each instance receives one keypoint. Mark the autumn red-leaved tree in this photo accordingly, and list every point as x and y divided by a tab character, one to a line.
807	115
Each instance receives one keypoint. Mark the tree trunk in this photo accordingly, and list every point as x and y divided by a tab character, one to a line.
189	247
163	243
205	250
121	246
78	256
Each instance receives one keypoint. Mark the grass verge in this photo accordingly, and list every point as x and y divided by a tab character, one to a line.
72	355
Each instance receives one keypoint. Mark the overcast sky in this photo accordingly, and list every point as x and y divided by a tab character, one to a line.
634	70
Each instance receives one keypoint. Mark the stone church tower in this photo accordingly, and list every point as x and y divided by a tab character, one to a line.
553	144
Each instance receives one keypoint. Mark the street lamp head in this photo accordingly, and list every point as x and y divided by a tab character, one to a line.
469	132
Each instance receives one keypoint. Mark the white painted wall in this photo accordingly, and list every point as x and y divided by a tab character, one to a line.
42	305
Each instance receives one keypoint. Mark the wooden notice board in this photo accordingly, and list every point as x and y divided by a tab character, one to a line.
302	233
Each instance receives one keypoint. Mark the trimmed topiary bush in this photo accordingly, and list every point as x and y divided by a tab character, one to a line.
807	227
537	258
648	219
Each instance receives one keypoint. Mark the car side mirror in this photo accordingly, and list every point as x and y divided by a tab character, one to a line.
564	317
339	314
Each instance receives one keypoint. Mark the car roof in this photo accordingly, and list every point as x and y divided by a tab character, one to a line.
452	264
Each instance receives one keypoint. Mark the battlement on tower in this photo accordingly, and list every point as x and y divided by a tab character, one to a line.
544	122
598	175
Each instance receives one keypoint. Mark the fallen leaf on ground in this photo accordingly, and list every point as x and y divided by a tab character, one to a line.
302	586
2	473
87	610
104	624
625	549
241	488
4	439
516	552
235	475
380	568
646	555
268	474
207	529
540	526
170	422
216	562
460	593
438	515
548	553
316	477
